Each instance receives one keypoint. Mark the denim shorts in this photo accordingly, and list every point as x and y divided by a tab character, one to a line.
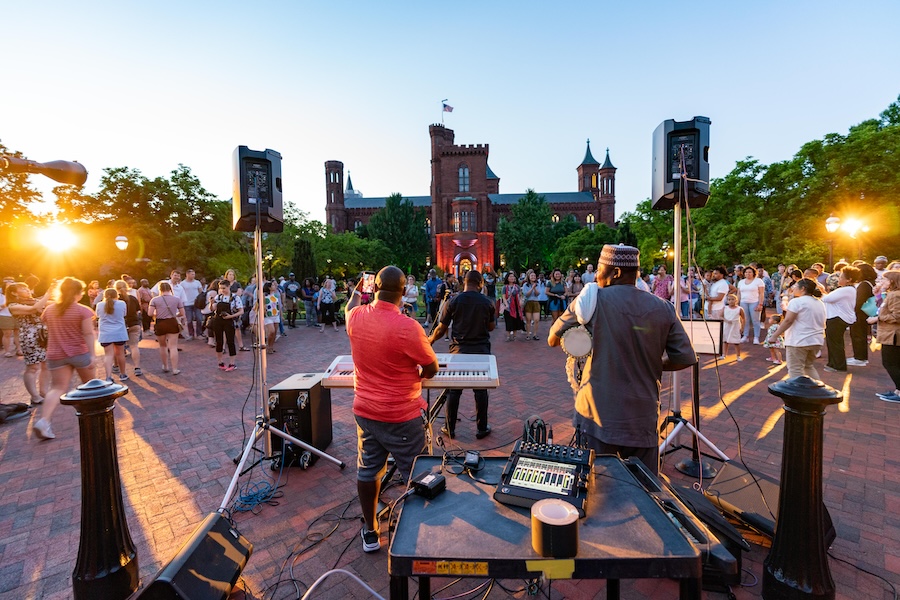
376	439
79	362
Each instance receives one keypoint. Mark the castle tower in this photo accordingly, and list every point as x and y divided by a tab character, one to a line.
335	213
587	174
607	200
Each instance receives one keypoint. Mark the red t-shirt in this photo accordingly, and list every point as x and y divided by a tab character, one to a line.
65	337
387	349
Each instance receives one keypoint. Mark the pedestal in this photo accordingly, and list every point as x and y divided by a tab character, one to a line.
797	565
107	565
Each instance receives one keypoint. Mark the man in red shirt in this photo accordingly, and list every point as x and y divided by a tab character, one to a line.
391	356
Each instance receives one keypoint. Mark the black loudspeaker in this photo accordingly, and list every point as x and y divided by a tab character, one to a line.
681	146
735	493
300	407
256	190
206	567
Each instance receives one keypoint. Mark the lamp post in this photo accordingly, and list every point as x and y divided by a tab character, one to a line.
122	242
832	224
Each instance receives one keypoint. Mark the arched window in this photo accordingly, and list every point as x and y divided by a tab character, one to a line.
594	181
555	218
356	225
463	178
589	221
428	226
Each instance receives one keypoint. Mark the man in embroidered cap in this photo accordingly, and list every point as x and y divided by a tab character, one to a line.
635	337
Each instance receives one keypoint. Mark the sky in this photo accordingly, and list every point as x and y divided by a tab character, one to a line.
152	85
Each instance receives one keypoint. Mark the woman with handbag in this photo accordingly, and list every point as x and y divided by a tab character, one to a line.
888	333
227	308
32	337
167	309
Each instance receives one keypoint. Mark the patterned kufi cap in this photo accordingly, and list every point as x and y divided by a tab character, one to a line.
620	256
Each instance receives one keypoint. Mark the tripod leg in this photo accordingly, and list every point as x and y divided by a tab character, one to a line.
257	431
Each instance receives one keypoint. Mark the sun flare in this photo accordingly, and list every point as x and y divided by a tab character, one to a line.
56	238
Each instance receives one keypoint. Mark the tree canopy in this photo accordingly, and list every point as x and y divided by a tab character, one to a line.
400	226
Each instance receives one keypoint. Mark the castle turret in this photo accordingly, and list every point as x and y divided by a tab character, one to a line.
587	174
335	212
607	199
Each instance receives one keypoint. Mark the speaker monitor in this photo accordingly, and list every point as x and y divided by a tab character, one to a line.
681	147
205	568
256	194
301	408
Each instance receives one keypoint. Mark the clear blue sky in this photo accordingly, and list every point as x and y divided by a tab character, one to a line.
151	85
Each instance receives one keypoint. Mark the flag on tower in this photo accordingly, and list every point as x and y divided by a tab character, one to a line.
447	107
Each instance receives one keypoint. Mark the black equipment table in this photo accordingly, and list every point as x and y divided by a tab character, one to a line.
463	532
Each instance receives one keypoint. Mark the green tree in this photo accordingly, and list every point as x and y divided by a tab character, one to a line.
400	226
345	254
582	246
525	239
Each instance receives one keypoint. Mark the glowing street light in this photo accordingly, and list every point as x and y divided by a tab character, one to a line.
122	242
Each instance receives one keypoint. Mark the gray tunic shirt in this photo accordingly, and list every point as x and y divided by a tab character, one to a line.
618	402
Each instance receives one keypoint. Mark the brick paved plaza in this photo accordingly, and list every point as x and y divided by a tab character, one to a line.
177	436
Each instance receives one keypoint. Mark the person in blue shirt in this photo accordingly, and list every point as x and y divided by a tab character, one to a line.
431	300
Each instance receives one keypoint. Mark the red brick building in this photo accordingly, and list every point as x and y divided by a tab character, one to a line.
465	204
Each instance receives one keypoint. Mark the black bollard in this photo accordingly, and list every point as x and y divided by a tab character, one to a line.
107	565
797	564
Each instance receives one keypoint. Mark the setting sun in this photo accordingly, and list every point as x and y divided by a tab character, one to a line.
56	238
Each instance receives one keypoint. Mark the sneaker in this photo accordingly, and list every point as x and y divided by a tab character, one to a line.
857	363
42	429
115	369
891	398
744	339
230	368
371	540
721	357
740	358
483	433
830	369
37	400
138	372
883	394
124	378
188	338
755	342
222	366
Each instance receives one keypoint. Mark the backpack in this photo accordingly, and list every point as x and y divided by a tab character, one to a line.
200	300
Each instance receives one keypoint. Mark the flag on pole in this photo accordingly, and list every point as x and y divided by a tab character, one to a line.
447	107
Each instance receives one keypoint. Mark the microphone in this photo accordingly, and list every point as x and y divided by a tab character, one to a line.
63	171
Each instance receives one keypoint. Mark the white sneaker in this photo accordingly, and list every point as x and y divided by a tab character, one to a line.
722	357
744	339
857	363
42	429
756	341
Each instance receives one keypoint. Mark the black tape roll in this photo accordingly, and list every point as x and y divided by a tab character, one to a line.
554	528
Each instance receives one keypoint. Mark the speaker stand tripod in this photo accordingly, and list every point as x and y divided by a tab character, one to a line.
263	421
694	466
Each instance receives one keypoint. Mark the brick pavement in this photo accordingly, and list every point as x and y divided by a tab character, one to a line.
177	436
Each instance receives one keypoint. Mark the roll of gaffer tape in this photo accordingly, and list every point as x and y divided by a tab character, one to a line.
554	528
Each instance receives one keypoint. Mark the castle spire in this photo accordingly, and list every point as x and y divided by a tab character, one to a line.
588	157
350	182
607	164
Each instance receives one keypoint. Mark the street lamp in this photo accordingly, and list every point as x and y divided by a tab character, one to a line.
832	224
122	242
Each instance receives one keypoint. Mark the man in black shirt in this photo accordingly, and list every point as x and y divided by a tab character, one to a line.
472	315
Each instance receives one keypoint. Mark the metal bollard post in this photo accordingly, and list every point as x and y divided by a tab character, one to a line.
797	564
107	565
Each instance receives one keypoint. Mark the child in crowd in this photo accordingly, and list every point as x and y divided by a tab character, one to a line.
774	344
733	326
